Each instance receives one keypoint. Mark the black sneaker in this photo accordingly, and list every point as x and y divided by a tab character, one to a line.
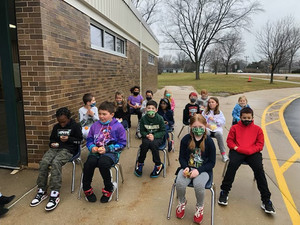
107	195
3	211
5	200
268	207
53	201
40	196
138	169
157	170
90	196
223	199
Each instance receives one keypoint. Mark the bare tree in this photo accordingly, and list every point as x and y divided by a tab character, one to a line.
181	59
231	45
273	42
215	58
195	24
148	9
295	45
206	58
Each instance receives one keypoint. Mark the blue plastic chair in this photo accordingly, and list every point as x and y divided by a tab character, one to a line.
209	185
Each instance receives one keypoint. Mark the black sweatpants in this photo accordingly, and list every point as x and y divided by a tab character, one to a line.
255	162
153	146
104	163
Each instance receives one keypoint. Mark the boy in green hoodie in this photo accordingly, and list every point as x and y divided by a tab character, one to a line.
152	128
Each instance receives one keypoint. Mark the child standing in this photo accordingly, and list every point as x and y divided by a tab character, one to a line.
197	159
149	96
215	121
88	113
246	141
203	100
105	141
64	140
168	95
153	131
135	102
242	103
190	108
165	111
122	109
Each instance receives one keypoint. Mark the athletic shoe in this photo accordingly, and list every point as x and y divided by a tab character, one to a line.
3	211
268	207
138	135
139	169
40	196
90	196
157	170
223	199
5	200
107	195
198	217
53	201
225	158
180	210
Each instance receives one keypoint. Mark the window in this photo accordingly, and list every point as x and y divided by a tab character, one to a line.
151	59
105	40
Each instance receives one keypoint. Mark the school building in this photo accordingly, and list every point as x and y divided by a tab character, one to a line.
53	52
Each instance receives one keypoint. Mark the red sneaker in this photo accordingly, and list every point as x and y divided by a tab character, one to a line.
198	217
180	210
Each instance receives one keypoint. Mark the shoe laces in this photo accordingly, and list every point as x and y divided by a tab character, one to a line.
199	211
88	192
106	193
181	207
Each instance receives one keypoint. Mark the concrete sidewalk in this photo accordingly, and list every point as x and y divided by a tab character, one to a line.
144	200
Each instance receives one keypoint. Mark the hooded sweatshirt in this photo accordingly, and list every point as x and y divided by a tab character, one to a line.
112	136
249	139
154	125
72	130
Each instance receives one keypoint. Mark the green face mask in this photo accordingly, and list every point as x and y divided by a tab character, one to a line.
198	131
151	113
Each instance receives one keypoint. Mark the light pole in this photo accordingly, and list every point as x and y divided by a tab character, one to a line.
246	58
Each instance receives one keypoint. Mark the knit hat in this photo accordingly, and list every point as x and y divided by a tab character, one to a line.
194	94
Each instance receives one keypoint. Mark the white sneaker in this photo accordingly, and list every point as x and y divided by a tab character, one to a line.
225	158
53	201
40	196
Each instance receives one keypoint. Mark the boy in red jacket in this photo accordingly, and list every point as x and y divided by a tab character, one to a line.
246	141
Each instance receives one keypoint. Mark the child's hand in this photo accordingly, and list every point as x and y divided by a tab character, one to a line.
101	150
186	172
64	138
94	149
166	122
90	112
211	118
150	137
54	145
194	173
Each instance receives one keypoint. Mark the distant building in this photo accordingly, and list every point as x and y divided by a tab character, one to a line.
172	70
53	52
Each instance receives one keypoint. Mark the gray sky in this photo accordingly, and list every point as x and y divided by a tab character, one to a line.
273	11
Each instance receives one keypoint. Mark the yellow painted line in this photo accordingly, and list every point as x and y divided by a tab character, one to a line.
274	121
282	184
289	162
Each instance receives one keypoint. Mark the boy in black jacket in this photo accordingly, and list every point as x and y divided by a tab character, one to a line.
191	108
64	140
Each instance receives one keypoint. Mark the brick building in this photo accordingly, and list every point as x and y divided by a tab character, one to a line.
56	51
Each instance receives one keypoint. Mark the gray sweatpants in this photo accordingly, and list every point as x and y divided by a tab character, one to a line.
199	183
219	136
55	158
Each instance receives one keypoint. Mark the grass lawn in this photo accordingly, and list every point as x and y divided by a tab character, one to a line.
219	84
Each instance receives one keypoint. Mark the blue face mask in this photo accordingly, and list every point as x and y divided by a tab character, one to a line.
93	104
104	123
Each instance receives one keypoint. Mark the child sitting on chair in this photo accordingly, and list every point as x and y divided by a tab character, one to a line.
122	109
105	141
65	137
153	130
191	108
242	103
149	96
88	113
246	141
203	100
165	111
197	159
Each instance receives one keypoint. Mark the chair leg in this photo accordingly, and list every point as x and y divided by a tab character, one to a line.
73	176
165	162
117	181
80	186
225	168
212	190
121	172
180	131
128	137
171	201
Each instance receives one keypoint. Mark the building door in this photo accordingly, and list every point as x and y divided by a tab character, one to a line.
12	135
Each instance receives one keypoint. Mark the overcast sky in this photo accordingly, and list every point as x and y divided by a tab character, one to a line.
273	11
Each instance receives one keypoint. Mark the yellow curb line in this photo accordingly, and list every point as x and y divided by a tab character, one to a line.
283	187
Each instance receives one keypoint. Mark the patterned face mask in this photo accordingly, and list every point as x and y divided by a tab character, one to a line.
198	131
151	113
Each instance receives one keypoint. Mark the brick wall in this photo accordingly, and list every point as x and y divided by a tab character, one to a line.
58	67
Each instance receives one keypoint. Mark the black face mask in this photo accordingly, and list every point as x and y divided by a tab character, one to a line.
148	98
136	93
193	100
246	122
